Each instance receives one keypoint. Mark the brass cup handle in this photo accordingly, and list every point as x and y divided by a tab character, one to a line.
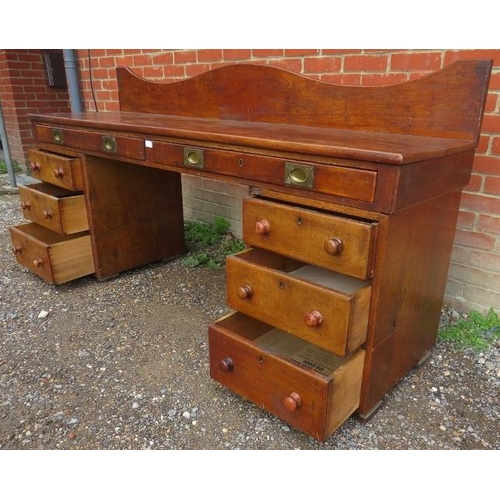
38	262
313	319
58	173
333	246
25	205
292	401
47	214
226	365
245	292
262	227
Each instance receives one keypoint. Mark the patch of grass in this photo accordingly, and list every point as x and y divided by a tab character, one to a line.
3	166
209	244
475	332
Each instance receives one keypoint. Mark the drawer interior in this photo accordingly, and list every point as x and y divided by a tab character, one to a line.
44	235
49	190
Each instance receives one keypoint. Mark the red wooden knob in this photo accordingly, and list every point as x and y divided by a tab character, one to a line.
58	172
262	227
292	401
226	365
333	246
16	250
38	262
313	318
245	292
25	205
47	214
35	166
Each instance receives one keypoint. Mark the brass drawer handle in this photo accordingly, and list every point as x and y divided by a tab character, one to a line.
109	144
245	292
262	227
47	214
38	262
299	175
25	205
193	157
313	319
226	365
293	401
57	135
333	246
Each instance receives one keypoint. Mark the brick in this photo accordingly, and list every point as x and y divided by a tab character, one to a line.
492	186
203	194
475	183
476	202
342	79
365	63
474	276
184	56
482	296
339	52
301	52
153	72
237	190
489	224
294	65
322	65
213	185
412	61
162	58
236	54
491	103
474	240
452	55
491	124
193	203
262	53
494	82
495	146
214	208
466	220
234	213
196	69
174	71
106	62
487	164
191	180
209	55
483	144
383	78
228	200
142	60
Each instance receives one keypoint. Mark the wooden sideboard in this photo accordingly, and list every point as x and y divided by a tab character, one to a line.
349	227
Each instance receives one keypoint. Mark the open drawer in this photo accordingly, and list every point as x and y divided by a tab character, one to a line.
54	207
306	386
325	308
54	257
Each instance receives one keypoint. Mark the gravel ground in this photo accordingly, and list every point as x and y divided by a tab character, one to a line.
123	364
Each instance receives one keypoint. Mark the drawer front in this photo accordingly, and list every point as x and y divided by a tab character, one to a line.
358	184
333	242
273	372
53	207
56	169
324	308
114	145
55	258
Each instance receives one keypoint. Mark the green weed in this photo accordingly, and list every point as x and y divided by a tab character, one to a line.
475	332
209	244
15	166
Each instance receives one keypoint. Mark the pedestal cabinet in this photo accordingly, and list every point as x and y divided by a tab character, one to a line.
349	228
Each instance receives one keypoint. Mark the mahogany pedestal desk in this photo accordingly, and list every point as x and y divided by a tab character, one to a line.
349	227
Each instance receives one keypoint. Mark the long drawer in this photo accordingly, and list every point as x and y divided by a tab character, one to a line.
54	257
63	171
325	308
54	207
311	389
331	241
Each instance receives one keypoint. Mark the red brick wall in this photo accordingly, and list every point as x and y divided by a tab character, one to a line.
474	277
24	90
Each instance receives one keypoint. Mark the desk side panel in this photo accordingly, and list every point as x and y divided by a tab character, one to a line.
135	214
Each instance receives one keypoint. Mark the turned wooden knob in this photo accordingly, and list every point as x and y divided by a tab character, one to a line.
47	214
35	166
226	365
333	246
245	292
25	205
292	401
262	227
38	262
58	172
16	250
313	318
